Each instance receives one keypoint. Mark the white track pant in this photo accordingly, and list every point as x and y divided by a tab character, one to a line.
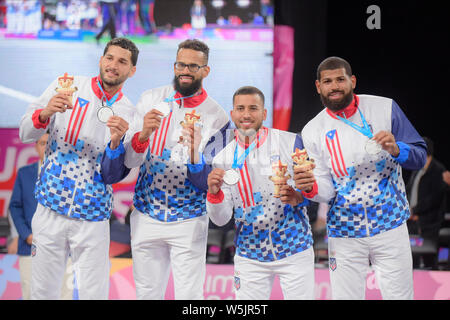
25	279
156	246
390	255
254	279
54	237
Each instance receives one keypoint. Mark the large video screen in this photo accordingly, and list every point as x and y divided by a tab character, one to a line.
41	40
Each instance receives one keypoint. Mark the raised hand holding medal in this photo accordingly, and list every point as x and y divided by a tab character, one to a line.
372	147
104	113
386	141
163	107
232	175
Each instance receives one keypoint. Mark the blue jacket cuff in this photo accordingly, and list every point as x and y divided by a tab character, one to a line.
113	154
305	200
404	152
197	167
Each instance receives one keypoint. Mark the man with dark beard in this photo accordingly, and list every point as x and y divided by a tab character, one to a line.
360	143
74	202
169	225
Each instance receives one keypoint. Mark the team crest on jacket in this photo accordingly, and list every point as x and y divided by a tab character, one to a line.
237	283
33	250
333	264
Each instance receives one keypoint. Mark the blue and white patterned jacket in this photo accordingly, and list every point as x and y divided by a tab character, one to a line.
267	229
168	189
366	192
71	182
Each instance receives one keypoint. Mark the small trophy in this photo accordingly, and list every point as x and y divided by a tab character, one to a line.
301	159
279	177
65	82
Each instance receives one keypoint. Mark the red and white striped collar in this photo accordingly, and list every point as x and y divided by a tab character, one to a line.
99	93
192	102
348	111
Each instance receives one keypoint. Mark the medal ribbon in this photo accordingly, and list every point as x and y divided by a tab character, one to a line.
365	129
171	98
239	162
109	103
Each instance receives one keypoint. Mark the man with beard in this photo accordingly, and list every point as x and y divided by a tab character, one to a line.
273	234
169	225
74	202
360	143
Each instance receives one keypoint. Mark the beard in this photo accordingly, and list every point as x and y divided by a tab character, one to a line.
247	132
187	90
112	83
339	104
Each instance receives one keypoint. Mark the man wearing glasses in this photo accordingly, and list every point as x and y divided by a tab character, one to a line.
173	126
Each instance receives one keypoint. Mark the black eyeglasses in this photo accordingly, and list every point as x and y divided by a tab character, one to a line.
192	67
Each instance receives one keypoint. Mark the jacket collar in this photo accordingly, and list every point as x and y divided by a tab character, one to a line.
194	101
99	93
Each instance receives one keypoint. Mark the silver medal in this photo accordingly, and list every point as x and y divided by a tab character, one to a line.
163	107
372	147
231	177
104	113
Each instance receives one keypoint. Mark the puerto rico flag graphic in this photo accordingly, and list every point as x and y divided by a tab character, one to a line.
334	148
76	121
159	139
245	187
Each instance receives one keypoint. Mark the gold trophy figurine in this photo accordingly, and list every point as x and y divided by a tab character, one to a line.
65	82
190	119
279	177
301	159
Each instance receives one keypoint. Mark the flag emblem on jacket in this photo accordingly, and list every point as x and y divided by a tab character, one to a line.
237	283
333	264
76	121
334	148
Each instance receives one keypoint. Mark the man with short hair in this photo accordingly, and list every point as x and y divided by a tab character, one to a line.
81	115
360	143
173	126
273	234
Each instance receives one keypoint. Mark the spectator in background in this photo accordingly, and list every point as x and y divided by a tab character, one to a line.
267	11
234	20
446	177
257	19
22	207
221	21
198	15
61	15
89	15
2	13
426	195
146	15
109	19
